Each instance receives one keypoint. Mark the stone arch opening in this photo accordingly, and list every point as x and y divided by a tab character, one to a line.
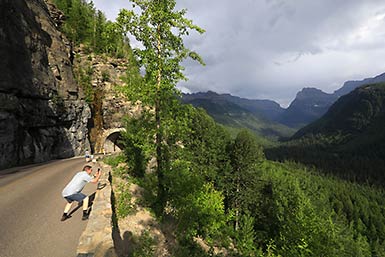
113	143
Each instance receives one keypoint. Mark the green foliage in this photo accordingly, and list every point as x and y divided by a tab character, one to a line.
160	29
236	118
137	140
205	145
132	78
123	203
149	183
189	248
105	76
88	26
205	213
114	160
347	141
84	77
300	229
196	204
283	209
78	26
144	245
244	153
197	154
221	190
321	216
246	236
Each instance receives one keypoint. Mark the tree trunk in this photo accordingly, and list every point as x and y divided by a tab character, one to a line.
159	156
236	204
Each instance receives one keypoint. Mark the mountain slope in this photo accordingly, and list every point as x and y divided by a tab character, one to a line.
309	104
349	140
226	112
360	114
351	85
261	108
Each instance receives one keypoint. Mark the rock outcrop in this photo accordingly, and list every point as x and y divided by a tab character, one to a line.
308	105
43	114
109	106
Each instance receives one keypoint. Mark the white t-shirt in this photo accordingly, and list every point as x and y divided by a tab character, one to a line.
77	183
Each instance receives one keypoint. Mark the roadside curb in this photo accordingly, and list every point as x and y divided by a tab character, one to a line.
96	240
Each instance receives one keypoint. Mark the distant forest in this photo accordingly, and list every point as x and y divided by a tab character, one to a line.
348	141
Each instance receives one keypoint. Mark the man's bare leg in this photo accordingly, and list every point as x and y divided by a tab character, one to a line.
85	208
66	210
85	203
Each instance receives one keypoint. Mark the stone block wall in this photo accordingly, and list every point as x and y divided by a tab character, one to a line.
96	240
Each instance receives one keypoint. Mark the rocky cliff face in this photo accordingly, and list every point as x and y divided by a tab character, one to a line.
308	105
103	74
43	114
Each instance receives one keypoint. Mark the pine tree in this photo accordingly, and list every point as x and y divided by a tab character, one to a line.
245	154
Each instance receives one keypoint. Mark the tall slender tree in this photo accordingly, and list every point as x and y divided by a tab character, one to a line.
245	154
160	29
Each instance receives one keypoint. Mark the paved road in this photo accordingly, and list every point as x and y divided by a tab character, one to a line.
31	207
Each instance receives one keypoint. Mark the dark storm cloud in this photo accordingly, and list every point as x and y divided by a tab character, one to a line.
273	48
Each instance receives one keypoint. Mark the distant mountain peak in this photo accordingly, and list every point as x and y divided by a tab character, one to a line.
310	92
309	104
350	85
359	112
252	105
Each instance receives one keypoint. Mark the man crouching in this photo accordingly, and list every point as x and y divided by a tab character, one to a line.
72	192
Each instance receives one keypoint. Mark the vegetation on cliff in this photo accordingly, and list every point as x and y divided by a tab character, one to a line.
88	29
86	25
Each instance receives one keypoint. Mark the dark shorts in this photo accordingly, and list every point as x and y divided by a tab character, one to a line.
75	197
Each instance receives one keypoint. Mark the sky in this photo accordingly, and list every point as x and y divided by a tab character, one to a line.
271	49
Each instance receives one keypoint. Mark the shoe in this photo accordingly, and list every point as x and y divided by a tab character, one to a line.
85	215
64	217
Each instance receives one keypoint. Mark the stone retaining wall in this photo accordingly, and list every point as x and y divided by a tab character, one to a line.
96	240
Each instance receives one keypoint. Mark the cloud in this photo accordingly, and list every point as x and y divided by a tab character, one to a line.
273	48
111	8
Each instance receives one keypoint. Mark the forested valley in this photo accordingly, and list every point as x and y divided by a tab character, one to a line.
347	141
222	188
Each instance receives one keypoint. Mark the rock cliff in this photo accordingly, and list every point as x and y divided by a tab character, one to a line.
103	75
308	105
43	114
